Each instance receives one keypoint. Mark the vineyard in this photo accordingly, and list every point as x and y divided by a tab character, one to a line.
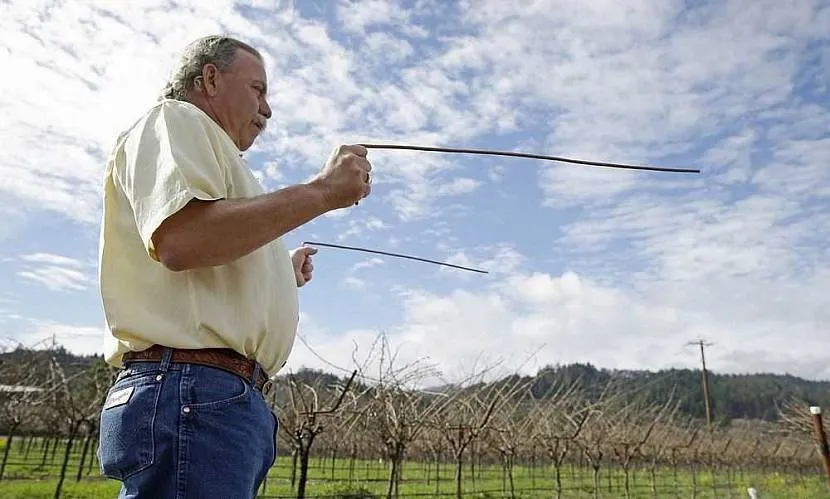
372	433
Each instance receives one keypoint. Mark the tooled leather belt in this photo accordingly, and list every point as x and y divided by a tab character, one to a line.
220	358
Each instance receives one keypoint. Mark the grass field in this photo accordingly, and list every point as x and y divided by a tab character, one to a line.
35	475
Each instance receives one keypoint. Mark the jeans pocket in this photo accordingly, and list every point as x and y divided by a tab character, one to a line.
215	389
126	432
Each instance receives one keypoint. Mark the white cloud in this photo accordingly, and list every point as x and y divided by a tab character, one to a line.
458	186
355	279
56	272
357	15
43	333
499	260
372	262
57	278
527	321
8	315
624	81
84	57
49	258
635	81
354	282
362	226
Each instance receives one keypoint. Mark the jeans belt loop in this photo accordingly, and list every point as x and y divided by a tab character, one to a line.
166	358
255	374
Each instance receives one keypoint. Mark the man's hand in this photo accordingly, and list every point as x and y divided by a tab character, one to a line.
345	176
301	259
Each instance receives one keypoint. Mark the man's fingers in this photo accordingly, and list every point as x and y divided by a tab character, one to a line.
357	149
364	164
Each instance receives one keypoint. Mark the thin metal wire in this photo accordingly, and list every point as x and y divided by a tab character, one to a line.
531	156
356	248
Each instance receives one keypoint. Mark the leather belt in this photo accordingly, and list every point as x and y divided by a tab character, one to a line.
220	358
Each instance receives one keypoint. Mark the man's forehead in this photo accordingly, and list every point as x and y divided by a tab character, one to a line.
248	61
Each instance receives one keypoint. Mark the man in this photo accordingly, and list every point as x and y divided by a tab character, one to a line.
199	293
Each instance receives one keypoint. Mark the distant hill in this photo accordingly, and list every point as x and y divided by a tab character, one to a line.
37	365
733	396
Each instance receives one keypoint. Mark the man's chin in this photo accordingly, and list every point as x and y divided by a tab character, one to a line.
246	144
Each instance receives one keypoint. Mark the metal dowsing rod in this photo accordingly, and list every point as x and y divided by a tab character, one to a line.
492	153
530	156
356	248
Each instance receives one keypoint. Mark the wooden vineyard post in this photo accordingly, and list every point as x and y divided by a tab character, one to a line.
821	439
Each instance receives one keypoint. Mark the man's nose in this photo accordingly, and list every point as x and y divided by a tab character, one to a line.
265	110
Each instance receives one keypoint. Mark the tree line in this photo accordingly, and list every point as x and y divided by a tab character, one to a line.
756	396
575	415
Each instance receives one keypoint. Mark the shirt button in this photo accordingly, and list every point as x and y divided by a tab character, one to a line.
185	409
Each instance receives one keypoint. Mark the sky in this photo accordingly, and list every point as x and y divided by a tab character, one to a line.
616	268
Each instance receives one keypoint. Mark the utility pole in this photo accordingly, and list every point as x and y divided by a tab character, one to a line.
705	381
821	439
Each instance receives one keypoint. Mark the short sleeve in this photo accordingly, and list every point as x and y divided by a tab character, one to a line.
170	158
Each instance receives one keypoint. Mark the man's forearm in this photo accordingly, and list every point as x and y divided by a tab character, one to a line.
210	233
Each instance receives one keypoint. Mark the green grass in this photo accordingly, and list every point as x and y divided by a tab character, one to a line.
30	489
27	477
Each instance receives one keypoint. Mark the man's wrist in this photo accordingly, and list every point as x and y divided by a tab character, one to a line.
320	194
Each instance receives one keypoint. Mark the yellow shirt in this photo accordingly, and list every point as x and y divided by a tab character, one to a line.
174	153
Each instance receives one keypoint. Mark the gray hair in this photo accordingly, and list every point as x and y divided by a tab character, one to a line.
214	49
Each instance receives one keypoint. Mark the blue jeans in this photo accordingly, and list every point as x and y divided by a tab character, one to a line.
185	431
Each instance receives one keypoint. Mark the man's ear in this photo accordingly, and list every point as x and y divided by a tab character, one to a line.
209	80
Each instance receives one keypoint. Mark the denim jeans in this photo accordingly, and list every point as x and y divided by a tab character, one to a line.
185	431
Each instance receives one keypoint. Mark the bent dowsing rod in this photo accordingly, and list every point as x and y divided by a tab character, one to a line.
493	153
312	243
531	156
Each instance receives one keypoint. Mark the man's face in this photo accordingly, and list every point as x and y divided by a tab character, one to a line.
240	100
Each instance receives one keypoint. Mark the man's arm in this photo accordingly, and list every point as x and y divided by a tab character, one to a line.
210	233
